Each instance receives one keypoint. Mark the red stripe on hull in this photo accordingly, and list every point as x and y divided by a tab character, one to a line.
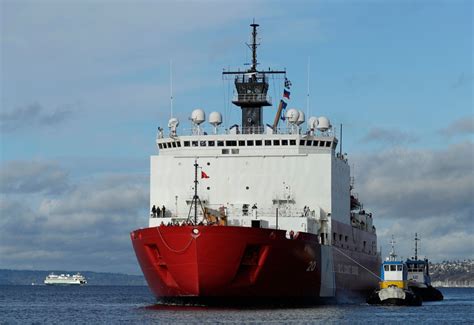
237	262
228	262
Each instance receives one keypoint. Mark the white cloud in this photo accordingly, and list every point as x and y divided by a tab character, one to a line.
419	190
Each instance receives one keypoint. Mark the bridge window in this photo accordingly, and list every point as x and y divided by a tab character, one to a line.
328	144
225	151
345	239
268	142
160	146
194	143
292	142
276	142
211	143
186	143
241	142
284	142
302	142
258	142
179	144
202	143
309	142
174	144
250	142
231	143
315	143
220	143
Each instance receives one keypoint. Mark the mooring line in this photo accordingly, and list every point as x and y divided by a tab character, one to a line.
353	260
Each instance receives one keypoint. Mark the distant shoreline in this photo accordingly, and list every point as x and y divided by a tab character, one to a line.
27	277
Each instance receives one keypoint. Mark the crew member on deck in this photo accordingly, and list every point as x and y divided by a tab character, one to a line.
153	211
163	211
158	211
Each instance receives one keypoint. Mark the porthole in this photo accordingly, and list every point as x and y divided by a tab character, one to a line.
246	187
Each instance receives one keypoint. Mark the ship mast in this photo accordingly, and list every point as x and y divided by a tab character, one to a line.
252	88
416	246
392	254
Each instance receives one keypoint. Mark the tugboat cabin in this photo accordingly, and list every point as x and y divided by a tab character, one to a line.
394	273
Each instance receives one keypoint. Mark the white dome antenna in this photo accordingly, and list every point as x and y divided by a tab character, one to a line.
215	119
301	118
197	117
323	124
292	115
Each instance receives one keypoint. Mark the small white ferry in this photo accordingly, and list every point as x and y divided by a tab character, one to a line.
65	279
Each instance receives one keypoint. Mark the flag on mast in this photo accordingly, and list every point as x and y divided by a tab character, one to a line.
286	94
204	175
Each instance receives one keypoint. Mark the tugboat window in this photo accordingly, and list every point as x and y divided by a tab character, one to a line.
399	267
386	267
393	267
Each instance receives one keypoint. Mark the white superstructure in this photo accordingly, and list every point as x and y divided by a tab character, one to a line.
65	279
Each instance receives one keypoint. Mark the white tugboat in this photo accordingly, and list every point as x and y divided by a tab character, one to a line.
394	285
65	279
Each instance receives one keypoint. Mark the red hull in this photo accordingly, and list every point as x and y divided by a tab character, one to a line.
235	262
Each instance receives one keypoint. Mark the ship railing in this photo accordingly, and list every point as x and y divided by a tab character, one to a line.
238	129
242	212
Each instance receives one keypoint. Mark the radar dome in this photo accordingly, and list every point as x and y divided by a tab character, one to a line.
313	122
173	122
323	124
292	115
300	117
198	116
215	118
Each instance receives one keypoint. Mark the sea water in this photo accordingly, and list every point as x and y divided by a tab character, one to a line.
125	304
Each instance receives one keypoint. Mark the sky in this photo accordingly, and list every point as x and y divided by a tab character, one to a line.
85	84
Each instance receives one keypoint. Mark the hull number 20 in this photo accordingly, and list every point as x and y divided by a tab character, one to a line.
311	266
